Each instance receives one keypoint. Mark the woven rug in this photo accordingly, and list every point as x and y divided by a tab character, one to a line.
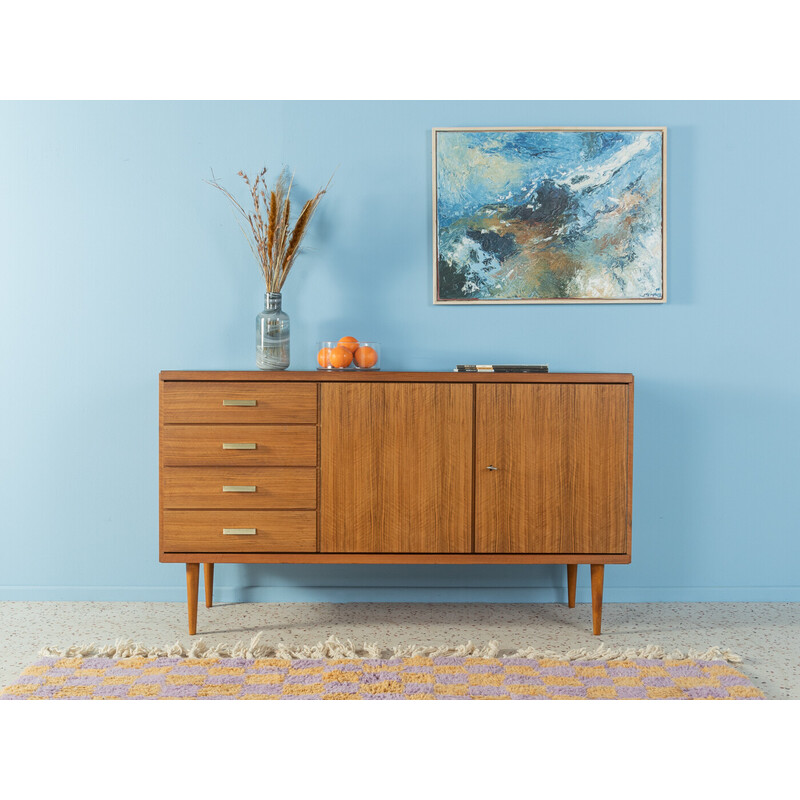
333	670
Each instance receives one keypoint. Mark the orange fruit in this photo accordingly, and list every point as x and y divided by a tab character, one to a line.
324	356
340	357
366	357
350	342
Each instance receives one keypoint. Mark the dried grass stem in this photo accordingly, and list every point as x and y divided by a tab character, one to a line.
272	240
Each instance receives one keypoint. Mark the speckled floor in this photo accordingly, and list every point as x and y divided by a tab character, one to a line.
766	635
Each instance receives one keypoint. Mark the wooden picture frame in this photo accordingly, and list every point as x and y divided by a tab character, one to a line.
525	215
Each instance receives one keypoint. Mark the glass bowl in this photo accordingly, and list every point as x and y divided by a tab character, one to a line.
355	355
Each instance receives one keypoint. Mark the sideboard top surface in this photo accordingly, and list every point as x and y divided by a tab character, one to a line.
395	377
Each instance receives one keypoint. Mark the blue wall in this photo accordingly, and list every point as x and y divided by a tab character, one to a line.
117	262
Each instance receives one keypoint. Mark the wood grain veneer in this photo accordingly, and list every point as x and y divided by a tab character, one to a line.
275	445
203	401
396	468
275	487
275	531
559	483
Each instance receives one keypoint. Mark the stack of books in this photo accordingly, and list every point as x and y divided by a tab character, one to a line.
502	368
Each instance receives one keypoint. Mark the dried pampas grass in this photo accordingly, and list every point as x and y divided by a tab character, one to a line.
273	241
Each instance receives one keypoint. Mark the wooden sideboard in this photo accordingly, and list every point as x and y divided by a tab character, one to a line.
395	468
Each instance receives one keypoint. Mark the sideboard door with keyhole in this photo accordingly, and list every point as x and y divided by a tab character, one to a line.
551	468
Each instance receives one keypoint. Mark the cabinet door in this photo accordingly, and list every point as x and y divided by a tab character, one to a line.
561	478
395	468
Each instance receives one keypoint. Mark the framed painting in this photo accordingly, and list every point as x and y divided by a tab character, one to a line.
549	215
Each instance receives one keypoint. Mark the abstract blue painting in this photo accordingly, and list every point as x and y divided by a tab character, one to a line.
542	215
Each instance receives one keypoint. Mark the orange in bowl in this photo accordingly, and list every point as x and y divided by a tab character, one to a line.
324	356
366	357
340	357
350	342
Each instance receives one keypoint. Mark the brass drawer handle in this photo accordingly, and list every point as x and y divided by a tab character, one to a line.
238	531
238	402
238	445
238	488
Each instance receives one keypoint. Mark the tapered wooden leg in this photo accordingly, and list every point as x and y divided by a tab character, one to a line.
208	578
597	597
572	582
192	579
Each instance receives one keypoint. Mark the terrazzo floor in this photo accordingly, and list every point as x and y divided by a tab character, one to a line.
766	635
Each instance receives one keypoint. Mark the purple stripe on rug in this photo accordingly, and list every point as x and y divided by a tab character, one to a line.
185	690
568	691
449	679
487	691
88	681
179	670
597	681
341	687
47	691
657	680
419	688
514	696
733	680
527	680
123	691
705	693
94	663
305	697
261	689
303	679
562	672
631	692
685	672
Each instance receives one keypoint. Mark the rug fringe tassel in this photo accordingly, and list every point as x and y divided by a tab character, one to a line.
335	648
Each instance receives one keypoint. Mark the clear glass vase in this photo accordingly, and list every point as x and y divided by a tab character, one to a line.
272	334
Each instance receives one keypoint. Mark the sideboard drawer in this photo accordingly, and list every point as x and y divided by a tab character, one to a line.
219	401
239	487
239	531
241	445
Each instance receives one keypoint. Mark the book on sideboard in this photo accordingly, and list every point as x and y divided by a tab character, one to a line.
501	368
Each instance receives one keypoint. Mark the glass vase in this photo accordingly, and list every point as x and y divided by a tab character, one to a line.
272	334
